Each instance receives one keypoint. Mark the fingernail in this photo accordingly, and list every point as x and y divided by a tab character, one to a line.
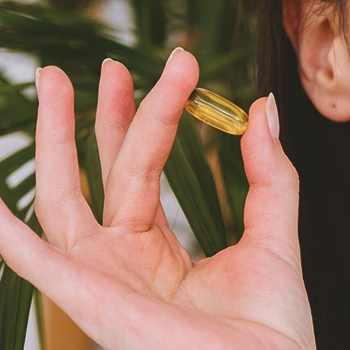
173	53
37	78
272	117
106	60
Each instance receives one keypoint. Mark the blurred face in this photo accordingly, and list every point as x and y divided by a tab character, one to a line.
320	40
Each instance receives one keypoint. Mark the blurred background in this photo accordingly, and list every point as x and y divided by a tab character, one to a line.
203	187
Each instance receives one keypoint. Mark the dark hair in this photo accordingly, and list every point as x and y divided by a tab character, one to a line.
320	151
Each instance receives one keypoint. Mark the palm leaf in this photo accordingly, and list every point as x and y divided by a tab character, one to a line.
150	21
192	200
16	110
93	171
236	184
15	293
195	153
15	300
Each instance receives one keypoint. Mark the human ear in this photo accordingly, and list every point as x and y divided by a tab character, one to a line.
323	55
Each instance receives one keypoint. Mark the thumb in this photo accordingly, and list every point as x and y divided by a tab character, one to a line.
271	211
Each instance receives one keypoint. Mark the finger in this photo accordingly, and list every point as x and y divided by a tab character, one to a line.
133	184
271	211
60	206
28	255
115	111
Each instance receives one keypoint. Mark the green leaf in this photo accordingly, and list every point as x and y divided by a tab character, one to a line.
39	319
92	167
151	22
236	183
76	5
15	300
15	109
207	20
11	196
79	49
14	161
15	88
15	293
192	199
194	151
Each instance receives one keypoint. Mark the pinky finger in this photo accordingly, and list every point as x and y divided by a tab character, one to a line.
27	254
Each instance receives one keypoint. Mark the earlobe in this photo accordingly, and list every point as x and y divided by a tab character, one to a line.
336	82
326	75
323	57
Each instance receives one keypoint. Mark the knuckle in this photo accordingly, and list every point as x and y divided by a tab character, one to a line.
142	108
39	204
170	115
144	175
54	200
111	123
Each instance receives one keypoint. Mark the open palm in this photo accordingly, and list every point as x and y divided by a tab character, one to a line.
129	284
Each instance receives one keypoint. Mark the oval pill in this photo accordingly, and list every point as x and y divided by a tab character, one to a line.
216	111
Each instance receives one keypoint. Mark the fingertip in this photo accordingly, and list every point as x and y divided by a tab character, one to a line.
264	159
257	145
258	106
54	80
116	103
52	76
106	60
52	71
257	134
177	82
112	66
183	68
190	63
56	104
114	74
257	126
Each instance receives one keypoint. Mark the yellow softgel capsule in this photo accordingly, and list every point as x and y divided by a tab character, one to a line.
216	111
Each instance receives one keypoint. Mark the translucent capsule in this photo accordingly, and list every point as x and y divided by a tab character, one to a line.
217	112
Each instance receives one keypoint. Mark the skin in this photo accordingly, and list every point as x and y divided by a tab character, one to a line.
129	284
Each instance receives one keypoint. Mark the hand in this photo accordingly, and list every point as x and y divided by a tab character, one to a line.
129	284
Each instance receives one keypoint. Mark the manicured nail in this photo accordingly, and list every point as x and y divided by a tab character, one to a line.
37	78
174	52
106	60
272	117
